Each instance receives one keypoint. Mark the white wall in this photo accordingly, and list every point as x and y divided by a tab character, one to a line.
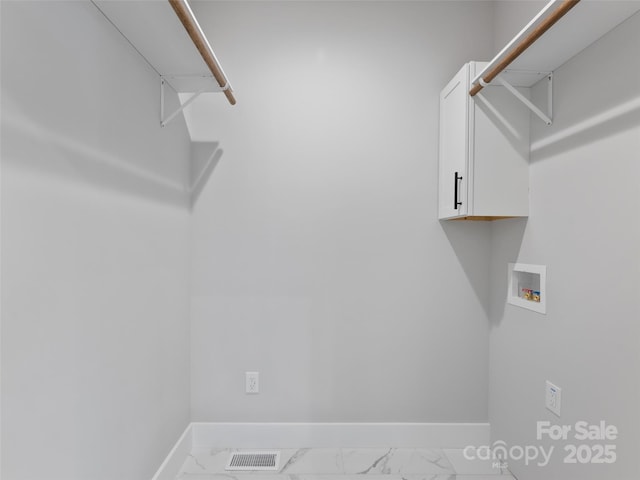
510	17
95	241
584	226
318	259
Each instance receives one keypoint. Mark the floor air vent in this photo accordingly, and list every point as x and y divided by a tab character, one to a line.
253	461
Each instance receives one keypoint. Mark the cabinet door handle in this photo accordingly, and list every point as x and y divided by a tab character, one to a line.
456	179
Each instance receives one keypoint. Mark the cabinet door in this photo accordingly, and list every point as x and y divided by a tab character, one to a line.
454	146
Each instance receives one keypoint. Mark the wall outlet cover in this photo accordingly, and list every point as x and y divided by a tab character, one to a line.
252	382
553	398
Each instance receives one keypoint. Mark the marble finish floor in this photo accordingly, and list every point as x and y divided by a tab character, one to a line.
347	464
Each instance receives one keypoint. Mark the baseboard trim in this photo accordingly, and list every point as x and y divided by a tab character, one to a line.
320	435
173	463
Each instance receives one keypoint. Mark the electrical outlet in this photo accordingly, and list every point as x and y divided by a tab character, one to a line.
252	382
553	398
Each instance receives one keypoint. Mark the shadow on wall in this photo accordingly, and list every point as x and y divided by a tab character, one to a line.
507	236
484	255
471	242
70	158
204	159
597	127
496	104
25	139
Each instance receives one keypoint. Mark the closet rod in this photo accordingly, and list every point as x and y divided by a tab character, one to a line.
184	13
545	25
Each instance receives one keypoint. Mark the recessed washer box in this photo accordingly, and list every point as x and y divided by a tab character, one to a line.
526	287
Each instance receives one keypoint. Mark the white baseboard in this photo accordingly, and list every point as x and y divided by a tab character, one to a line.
320	435
173	463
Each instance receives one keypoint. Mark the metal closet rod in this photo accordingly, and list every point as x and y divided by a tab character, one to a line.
184	13
545	25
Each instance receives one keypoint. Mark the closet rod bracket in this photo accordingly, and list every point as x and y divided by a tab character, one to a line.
205	88
545	117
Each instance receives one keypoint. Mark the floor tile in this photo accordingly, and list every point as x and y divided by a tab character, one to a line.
485	477
369	460
396	461
206	460
232	476
258	476
426	460
313	461
464	466
429	476
375	477
346	464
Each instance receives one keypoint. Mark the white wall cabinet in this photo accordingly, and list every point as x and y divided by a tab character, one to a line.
484	151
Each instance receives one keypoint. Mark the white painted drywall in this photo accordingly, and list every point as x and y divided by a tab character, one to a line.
510	17
584	226
318	259
95	241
